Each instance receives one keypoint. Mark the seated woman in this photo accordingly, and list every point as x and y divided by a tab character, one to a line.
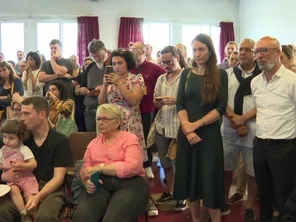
14	111
9	84
123	192
60	102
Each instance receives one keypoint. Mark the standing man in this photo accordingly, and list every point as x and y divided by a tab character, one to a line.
57	67
92	80
239	125
20	56
229	48
165	96
53	155
150	73
149	54
274	92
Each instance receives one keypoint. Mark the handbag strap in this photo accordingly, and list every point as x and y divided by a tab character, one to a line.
12	88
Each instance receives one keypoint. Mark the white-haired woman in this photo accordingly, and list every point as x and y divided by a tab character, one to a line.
123	192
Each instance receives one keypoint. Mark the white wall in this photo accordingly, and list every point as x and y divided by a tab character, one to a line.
109	11
276	18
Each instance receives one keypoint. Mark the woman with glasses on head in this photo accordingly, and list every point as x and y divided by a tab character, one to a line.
9	84
120	192
14	111
126	91
201	101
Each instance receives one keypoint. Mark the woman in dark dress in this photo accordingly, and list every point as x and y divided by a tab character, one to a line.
201	101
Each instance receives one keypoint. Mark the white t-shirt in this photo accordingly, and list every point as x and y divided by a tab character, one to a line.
229	134
25	151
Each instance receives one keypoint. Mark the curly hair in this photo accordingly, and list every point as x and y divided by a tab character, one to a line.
17	127
127	56
64	94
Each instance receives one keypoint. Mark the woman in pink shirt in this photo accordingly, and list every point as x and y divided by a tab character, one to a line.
123	192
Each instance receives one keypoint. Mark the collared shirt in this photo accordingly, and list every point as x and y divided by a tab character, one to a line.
169	122
150	73
224	65
229	134
276	105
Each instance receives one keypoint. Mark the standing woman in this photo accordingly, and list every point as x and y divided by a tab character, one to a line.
30	76
125	90
202	100
9	84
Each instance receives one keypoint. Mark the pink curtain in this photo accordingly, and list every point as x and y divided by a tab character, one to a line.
226	35
88	29
130	30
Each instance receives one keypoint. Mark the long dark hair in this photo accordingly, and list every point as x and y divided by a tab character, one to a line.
12	75
211	84
64	94
36	57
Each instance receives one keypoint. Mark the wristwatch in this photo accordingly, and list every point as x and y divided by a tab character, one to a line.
101	167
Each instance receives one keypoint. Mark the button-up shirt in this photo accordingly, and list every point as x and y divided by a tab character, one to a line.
276	105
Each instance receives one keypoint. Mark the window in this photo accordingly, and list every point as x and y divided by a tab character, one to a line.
45	33
158	35
190	31
69	32
64	31
12	39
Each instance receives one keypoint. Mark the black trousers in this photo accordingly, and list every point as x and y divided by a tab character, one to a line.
118	199
274	165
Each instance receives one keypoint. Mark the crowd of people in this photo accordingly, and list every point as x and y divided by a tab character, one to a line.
237	118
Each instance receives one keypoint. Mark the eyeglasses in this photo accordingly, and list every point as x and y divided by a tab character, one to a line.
246	49
16	110
170	62
263	51
104	119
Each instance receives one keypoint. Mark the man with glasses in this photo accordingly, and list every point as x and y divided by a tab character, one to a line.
150	73
167	126
239	125
274	92
91	79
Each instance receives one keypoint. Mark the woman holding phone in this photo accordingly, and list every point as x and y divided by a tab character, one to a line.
125	90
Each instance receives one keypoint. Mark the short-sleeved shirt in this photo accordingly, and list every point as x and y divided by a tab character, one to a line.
47	68
24	150
54	152
150	73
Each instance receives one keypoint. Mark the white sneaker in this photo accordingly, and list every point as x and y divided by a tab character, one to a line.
155	159
149	173
152	209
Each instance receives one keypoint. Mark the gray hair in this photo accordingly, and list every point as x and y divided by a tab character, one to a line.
95	45
111	109
251	41
56	41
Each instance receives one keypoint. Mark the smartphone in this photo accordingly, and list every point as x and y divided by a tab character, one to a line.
95	177
109	69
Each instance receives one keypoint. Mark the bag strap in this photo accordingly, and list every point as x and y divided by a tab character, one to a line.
12	88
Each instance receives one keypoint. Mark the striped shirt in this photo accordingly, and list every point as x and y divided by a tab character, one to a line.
169	123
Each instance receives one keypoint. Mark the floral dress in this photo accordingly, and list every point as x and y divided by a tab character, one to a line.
131	119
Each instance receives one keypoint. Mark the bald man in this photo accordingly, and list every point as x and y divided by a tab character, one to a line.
274	92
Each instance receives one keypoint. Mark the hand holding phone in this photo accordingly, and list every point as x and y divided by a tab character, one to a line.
94	178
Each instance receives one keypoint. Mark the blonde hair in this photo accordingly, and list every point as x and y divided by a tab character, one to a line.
111	109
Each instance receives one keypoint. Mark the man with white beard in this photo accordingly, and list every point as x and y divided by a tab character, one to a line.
274	92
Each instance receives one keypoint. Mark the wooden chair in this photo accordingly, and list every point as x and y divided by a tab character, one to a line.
78	142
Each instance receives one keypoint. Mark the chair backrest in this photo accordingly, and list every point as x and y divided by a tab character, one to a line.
79	142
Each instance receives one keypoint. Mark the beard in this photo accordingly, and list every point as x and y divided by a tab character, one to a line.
267	66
